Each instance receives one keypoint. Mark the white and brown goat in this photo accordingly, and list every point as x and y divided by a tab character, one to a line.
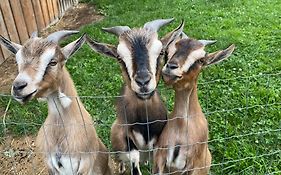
183	145
67	138
141	114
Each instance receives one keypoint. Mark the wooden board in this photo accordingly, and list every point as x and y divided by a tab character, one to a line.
9	20
29	16
4	33
38	15
56	9
50	10
44	8
19	20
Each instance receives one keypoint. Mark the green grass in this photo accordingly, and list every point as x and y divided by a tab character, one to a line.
245	99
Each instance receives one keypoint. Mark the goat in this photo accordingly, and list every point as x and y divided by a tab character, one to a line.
141	114
67	138
182	146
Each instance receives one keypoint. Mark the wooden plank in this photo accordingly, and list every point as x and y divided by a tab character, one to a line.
9	20
60	7
4	32
64	6
38	15
56	9
50	10
44	8
2	59
19	20
29	16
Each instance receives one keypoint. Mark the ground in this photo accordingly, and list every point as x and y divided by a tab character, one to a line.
20	151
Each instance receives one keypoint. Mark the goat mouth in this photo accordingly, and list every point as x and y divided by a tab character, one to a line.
25	98
144	96
170	78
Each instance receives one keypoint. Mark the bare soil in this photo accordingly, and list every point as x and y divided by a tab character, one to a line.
17	155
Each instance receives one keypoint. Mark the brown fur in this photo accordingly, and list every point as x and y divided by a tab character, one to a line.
72	131
131	109
187	127
68	131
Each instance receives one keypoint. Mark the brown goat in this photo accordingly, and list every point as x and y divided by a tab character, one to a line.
182	147
67	138
141	113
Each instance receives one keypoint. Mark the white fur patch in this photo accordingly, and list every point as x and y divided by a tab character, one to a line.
45	59
134	156
153	54
193	56
151	143
139	139
125	54
180	160
170	156
23	76
19	58
65	101
68	167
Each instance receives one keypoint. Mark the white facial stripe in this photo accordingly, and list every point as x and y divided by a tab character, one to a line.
23	76
125	54
193	56
19	58
45	59
153	54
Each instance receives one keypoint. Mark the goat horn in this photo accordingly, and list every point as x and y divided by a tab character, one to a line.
117	30
57	36
156	24
207	42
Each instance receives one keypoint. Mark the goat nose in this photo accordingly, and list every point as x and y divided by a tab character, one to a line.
19	85
142	81
172	66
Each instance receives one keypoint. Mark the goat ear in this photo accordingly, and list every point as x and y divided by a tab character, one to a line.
12	47
74	46
216	57
105	49
172	36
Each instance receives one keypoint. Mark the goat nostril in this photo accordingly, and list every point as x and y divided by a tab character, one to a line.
172	66
143	81
19	85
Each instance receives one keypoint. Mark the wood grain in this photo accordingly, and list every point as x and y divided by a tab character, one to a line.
29	16
19	20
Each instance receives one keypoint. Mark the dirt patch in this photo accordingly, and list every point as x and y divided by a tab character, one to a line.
76	17
17	154
18	157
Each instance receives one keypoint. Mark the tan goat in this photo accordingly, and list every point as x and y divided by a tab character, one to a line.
67	138
182	146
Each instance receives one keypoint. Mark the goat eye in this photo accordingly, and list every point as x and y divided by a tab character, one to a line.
53	63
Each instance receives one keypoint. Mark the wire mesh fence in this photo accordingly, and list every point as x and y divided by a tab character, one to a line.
244	127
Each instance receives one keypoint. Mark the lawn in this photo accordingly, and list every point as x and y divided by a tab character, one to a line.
240	97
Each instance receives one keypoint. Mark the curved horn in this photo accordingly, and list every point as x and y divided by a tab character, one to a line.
156	24
57	36
117	30
207	42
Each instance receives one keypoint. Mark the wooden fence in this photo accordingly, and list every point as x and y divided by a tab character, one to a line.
20	18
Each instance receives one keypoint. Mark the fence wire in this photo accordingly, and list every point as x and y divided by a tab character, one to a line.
223	162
